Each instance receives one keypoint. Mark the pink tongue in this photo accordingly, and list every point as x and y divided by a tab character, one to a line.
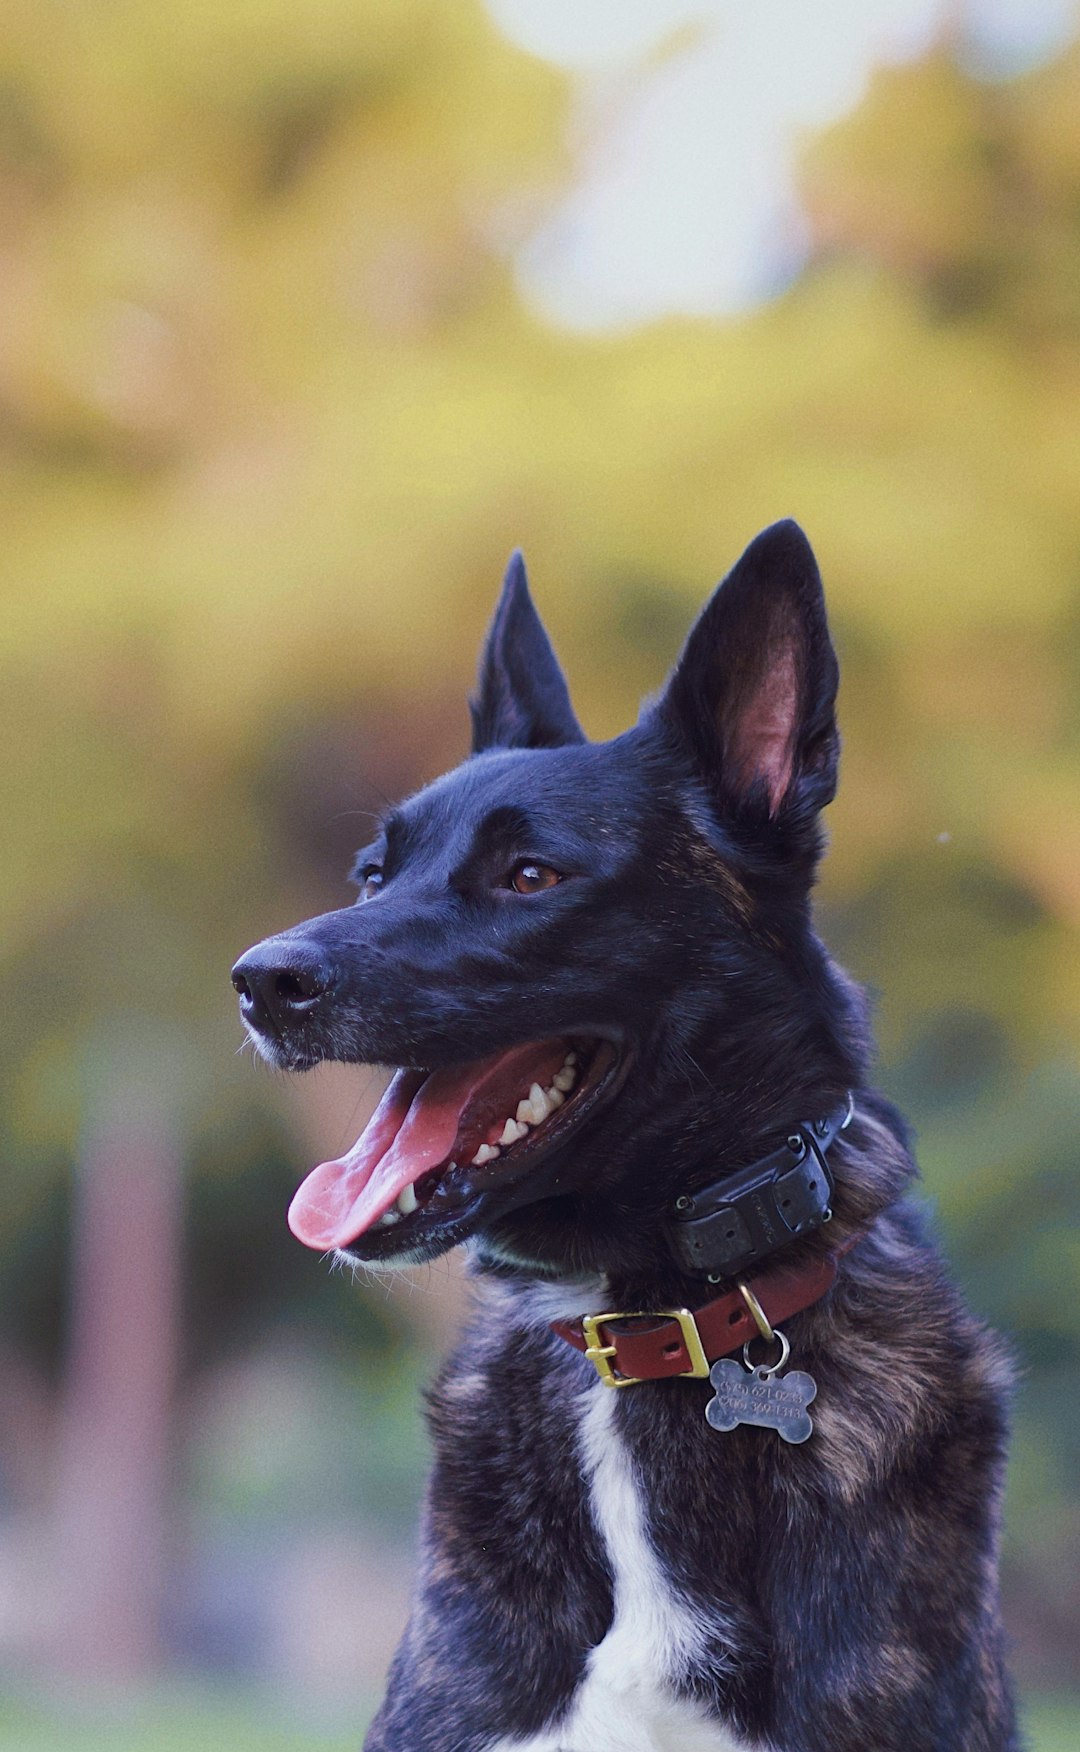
421	1123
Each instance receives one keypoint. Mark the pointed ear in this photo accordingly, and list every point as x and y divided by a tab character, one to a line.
521	698
753	695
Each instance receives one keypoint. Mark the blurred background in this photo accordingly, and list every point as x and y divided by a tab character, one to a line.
307	315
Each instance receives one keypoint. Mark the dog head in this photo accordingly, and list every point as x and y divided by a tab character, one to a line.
586	963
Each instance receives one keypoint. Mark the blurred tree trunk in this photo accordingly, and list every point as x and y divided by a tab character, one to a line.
113	1478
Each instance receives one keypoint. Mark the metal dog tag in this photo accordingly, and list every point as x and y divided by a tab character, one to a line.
746	1395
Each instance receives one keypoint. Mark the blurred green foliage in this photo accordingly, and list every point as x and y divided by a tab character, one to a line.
272	414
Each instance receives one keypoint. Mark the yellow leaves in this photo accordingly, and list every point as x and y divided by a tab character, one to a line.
965	191
1034	829
275	410
1046	137
107	316
909	178
142	80
993	683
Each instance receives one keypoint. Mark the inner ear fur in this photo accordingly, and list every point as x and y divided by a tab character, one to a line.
521	698
754	693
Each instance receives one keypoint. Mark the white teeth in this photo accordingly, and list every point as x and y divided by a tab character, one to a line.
388	1217
531	1111
534	1108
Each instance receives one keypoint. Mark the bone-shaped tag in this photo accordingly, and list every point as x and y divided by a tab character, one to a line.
775	1402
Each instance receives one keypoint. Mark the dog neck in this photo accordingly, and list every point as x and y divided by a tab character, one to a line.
869	1168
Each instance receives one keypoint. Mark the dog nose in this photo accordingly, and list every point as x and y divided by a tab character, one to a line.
280	981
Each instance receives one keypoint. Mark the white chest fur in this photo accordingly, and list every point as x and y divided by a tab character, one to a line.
625	1703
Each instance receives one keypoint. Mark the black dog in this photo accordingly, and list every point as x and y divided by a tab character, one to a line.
634	1082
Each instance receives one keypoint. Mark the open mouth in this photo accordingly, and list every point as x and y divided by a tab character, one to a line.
440	1142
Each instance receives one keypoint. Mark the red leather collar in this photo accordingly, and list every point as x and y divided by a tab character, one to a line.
628	1348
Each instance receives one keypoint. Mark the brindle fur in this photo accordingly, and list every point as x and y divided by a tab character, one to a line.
845	1590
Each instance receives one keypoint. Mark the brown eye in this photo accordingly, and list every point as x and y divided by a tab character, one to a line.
373	881
531	878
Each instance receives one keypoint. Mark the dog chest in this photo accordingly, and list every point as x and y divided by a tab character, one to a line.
627	1701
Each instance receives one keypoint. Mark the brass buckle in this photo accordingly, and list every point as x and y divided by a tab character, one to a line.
600	1354
755	1310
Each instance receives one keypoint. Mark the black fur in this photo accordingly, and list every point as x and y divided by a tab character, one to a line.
846	1590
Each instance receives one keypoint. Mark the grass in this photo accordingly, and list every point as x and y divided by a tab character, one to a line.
195	1720
1053	1724
198	1720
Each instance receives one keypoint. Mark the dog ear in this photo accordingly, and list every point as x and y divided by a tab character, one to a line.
754	692
521	698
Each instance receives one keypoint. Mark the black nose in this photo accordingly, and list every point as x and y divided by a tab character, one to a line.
280	981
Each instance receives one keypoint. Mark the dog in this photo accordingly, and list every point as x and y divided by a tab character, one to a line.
718	1461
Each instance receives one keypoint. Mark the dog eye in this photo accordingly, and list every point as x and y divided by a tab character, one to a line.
531	878
372	882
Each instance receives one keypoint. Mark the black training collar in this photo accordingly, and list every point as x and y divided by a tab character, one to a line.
723	1228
